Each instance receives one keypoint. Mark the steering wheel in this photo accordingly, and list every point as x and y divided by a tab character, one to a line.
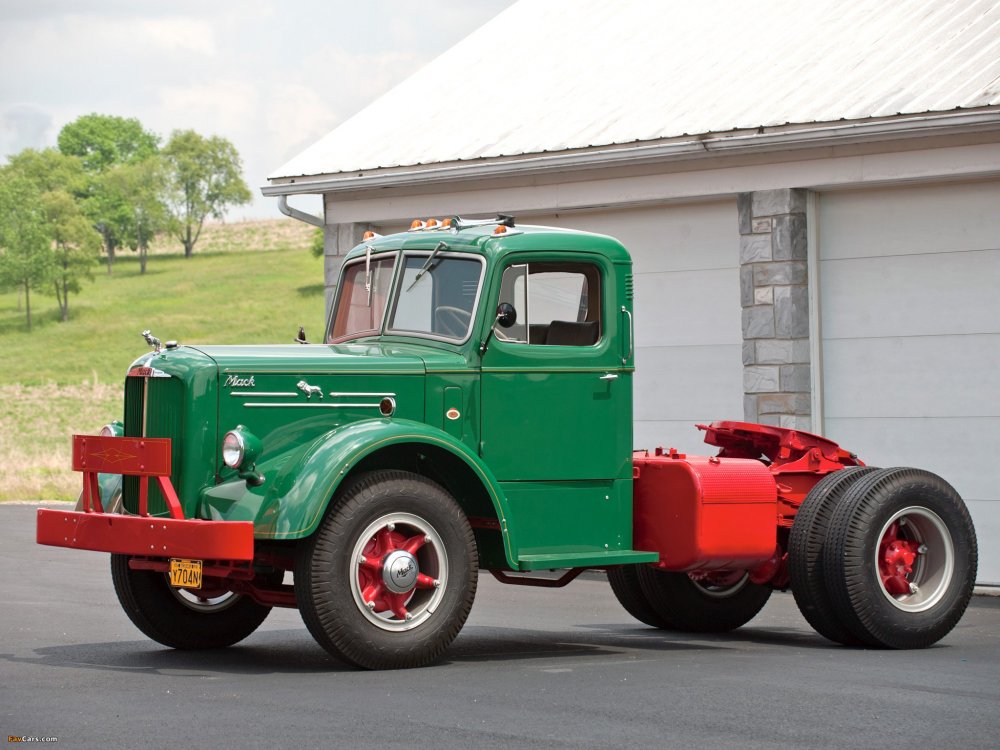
452	321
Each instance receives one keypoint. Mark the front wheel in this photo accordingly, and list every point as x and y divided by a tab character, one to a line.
389	578
713	603
181	618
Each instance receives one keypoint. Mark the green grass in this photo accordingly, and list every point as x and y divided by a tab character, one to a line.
220	298
67	377
35	427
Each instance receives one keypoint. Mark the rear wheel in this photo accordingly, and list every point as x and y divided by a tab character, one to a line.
713	603
182	618
900	560
389	578
624	582
805	553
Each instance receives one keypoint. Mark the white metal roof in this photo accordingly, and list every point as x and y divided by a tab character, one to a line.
554	75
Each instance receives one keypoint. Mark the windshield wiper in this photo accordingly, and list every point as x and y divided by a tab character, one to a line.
427	266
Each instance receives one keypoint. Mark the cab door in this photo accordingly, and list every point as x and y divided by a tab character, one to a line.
556	401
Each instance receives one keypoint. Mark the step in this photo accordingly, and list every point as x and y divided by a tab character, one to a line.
587	559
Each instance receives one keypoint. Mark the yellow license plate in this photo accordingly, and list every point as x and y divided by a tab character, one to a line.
185	574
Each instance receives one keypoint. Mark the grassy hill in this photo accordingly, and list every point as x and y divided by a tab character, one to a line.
253	282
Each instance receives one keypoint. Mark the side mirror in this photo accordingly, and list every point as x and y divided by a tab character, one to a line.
506	315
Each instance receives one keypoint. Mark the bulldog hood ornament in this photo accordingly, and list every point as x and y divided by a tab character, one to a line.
152	341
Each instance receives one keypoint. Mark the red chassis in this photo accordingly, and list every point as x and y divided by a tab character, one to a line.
795	462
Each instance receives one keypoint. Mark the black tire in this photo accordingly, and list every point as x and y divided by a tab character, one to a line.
624	581
170	617
334	576
805	553
693	607
905	508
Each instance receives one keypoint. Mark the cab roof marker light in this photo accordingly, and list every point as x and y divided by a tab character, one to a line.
416	225
370	235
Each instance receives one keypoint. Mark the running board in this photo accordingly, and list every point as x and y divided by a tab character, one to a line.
589	559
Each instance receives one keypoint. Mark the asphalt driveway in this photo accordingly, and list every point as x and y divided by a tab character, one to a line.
533	668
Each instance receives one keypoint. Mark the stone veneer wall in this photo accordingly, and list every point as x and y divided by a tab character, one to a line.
775	300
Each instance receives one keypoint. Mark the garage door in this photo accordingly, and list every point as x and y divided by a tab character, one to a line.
909	283
689	365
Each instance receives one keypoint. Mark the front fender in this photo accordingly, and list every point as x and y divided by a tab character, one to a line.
297	496
110	486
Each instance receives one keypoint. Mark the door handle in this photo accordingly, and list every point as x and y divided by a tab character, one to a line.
631	334
609	376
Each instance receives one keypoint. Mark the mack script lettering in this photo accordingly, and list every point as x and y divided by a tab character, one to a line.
238	382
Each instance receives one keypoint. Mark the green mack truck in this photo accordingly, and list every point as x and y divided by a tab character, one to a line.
470	408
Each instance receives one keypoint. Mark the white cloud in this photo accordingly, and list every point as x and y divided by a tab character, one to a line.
212	108
295	116
24	126
174	34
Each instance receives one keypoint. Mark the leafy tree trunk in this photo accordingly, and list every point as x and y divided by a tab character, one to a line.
143	253
60	299
62	292
188	242
27	302
109	245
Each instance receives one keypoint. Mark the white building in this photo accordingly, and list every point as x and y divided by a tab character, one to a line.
810	192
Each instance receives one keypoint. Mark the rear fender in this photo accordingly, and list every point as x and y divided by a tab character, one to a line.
301	490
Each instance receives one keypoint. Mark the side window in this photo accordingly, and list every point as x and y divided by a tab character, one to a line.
557	304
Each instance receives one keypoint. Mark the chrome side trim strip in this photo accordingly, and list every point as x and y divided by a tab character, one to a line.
257	394
335	394
310	406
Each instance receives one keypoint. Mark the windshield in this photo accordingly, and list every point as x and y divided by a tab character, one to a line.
441	300
362	299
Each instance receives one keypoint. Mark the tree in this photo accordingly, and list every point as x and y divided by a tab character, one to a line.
141	187
50	169
205	179
76	245
43	183
26	258
102	142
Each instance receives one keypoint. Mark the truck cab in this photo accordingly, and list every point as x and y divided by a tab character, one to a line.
525	334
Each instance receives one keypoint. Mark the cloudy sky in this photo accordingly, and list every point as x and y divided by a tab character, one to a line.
272	77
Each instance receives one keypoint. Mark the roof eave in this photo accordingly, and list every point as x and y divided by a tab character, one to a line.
700	147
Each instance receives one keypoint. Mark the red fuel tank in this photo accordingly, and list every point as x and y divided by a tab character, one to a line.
704	513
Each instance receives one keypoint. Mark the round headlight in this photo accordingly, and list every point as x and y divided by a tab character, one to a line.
112	429
233	449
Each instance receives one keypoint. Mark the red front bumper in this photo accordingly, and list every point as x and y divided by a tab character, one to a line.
146	535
